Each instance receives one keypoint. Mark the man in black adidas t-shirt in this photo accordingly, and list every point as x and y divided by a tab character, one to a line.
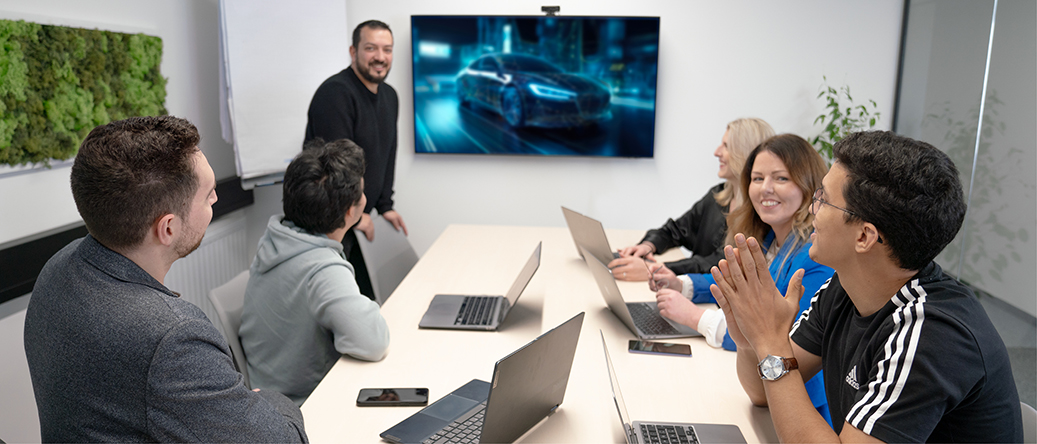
909	354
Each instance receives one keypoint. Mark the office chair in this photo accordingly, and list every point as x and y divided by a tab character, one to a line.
229	299
1029	422
389	258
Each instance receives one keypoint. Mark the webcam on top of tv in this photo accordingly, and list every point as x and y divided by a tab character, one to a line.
551	11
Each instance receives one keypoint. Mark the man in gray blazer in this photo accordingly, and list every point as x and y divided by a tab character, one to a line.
114	355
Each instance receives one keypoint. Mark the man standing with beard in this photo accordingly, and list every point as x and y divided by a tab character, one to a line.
357	104
114	355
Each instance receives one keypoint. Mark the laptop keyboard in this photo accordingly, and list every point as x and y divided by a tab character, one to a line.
649	321
666	433
476	310
464	430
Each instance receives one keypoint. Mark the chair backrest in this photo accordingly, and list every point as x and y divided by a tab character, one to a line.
389	258
1029	422
228	300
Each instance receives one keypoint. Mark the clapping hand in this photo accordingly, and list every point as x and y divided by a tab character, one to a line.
757	314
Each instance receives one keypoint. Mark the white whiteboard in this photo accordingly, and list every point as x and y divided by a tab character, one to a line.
275	55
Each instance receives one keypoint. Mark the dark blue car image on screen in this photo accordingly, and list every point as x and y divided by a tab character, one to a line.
534	85
529	91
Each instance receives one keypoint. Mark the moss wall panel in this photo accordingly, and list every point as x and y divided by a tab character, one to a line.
57	83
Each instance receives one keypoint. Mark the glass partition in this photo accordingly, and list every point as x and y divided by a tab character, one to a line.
962	59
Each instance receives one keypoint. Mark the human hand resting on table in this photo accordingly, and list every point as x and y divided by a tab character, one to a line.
758	316
629	268
675	307
643	249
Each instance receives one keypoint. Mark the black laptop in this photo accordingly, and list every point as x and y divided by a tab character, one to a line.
461	312
527	385
643	432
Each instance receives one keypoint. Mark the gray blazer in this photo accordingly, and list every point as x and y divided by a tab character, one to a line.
116	356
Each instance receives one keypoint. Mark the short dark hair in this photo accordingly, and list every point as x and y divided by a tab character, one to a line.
321	183
131	172
373	24
908	189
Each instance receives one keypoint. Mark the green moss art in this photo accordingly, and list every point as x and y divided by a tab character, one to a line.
58	83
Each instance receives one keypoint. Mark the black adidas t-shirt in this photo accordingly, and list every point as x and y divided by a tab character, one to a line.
928	366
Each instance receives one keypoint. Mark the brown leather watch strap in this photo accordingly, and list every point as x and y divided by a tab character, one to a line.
790	364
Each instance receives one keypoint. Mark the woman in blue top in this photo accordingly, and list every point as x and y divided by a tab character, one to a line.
779	179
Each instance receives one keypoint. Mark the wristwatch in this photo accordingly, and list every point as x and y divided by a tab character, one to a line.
772	368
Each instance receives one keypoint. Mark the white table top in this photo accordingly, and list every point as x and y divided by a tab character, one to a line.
470	259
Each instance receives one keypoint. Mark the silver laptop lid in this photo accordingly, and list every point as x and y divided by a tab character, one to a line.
521	281
610	291
617	395
588	233
530	383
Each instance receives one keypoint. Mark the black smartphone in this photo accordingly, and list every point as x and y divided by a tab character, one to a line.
388	397
663	348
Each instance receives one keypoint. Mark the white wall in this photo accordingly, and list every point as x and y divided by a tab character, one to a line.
718	61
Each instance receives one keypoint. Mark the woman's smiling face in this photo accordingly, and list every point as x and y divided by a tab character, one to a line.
774	195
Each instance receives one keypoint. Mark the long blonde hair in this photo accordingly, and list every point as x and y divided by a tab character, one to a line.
743	135
806	169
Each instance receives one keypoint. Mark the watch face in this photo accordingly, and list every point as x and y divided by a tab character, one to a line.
772	368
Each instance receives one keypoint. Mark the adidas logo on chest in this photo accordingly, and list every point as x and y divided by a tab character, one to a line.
851	379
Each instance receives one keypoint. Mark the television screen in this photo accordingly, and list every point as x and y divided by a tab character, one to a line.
569	86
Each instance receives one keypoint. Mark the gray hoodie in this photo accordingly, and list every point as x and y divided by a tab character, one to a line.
303	310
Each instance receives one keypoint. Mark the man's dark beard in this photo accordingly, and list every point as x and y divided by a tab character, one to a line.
365	72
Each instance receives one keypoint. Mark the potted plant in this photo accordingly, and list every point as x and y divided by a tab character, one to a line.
841	117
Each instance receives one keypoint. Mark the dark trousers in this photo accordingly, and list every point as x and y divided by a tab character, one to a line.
356	258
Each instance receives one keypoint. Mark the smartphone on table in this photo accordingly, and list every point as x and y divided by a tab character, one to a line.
389	397
662	348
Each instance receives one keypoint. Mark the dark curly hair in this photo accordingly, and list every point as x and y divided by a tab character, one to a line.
321	183
908	189
129	173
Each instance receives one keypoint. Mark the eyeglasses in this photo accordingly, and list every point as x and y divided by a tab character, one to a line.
819	200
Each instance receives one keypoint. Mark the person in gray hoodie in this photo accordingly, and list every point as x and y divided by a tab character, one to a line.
303	309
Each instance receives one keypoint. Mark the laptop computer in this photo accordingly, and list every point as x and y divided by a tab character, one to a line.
638	432
588	233
527	386
461	312
642	318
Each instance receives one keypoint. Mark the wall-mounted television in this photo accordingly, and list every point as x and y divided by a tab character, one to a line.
535	85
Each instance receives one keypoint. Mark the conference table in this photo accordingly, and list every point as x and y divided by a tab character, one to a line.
476	260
